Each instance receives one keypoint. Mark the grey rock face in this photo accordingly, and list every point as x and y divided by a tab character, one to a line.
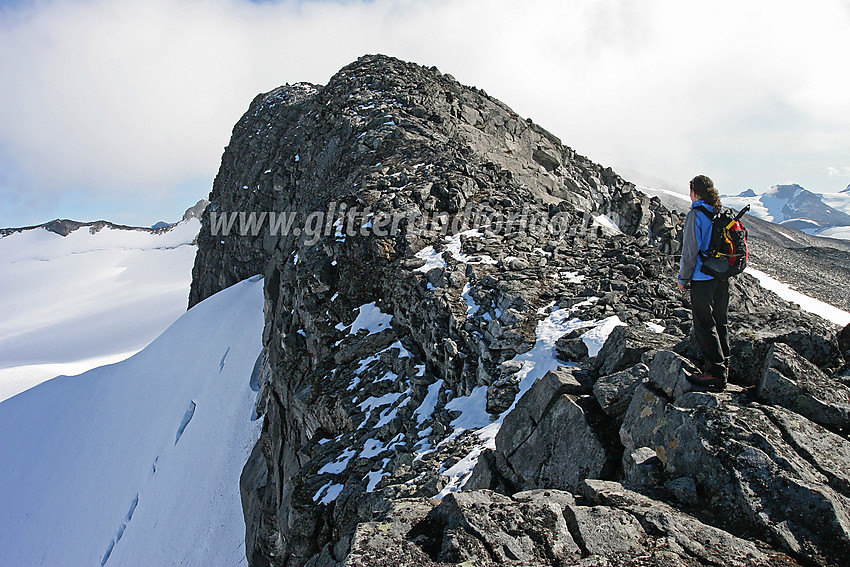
791	381
745	469
392	359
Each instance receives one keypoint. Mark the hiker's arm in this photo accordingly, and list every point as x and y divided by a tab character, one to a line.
690	248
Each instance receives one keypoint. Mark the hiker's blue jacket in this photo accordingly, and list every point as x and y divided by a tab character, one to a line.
696	238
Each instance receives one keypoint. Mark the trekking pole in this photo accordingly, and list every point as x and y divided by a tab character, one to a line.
738	216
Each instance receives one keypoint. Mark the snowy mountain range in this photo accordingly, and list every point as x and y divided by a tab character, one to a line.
792	205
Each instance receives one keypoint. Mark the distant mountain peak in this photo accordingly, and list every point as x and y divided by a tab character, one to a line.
64	227
794	206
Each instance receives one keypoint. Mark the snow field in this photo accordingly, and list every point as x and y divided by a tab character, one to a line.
138	463
76	302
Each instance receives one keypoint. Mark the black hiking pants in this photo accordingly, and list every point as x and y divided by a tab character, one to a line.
710	305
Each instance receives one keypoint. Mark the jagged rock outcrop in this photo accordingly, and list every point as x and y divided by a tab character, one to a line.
441	253
553	438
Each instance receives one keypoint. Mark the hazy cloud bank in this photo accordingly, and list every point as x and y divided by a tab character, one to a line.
131	99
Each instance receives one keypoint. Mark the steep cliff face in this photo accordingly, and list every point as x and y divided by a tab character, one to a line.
441	252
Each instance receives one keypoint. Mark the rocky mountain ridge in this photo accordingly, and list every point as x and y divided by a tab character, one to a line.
64	227
406	365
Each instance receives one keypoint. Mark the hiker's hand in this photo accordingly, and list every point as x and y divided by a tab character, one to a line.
681	286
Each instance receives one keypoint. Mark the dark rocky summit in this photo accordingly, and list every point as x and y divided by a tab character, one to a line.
402	365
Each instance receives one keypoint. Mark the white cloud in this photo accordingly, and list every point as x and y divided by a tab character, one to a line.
838	171
137	96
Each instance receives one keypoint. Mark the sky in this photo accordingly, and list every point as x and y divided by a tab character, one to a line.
120	109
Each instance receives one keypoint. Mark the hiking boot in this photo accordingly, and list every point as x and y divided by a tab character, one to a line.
706	380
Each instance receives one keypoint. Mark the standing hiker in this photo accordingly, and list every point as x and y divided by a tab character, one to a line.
709	295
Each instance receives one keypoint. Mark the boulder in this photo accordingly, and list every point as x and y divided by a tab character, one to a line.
748	476
571	349
561	450
382	542
683	534
482	525
625	346
571	380
551	439
791	381
669	373
614	391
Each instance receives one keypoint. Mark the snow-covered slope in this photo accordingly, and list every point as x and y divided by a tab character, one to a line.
791	205
138	463
840	201
71	303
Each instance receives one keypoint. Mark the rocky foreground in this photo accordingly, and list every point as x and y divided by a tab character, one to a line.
415	412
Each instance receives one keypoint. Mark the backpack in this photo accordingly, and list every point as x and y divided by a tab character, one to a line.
727	252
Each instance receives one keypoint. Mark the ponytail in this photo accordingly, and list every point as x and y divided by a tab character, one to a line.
703	186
